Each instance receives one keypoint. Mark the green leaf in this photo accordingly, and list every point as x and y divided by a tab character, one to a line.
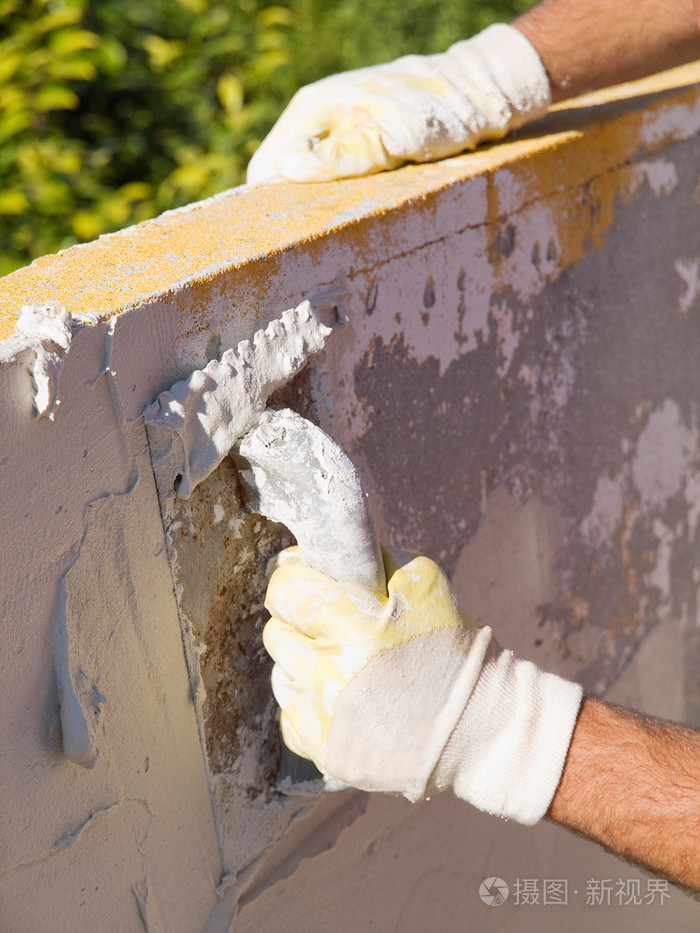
9	63
13	97
230	92
266	63
194	6
275	16
13	202
136	191
111	55
14	124
55	97
66	16
87	225
75	69
162	52
68	41
272	39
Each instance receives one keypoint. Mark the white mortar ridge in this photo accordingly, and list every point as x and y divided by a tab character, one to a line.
216	405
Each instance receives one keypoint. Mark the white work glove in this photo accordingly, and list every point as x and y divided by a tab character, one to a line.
404	694
415	109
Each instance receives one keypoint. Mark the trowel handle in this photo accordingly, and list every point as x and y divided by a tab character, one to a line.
296	474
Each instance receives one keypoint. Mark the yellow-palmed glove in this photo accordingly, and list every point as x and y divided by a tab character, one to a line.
415	109
403	694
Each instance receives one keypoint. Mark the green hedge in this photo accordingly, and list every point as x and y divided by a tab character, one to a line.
112	111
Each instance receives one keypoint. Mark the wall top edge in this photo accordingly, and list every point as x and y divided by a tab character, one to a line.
133	266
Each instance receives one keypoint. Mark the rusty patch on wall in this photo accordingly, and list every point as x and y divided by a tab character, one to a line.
218	554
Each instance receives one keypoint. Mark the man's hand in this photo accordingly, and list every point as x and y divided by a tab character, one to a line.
415	109
403	694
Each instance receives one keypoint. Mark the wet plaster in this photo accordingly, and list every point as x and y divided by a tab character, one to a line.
102	771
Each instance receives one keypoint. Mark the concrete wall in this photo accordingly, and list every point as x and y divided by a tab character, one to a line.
516	376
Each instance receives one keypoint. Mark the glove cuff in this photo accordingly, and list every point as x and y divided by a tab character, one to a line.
504	66
395	716
507	752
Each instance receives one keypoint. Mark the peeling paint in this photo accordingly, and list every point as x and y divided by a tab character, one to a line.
660	174
664	452
689	272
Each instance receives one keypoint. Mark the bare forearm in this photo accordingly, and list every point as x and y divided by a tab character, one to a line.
588	44
633	784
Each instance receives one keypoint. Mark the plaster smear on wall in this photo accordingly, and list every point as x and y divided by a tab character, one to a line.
105	773
439	298
566	400
43	333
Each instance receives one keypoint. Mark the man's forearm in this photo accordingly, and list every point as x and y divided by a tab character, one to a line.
633	784
588	44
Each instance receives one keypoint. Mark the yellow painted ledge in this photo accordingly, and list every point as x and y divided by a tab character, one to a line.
197	243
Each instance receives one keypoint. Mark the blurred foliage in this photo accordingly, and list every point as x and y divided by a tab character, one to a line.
112	111
335	35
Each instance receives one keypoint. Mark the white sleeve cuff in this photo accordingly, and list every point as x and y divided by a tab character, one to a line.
507	752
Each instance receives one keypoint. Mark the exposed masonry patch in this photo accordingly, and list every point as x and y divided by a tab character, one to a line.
218	553
592	404
221	583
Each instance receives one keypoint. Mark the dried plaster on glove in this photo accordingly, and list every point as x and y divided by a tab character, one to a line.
366	623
